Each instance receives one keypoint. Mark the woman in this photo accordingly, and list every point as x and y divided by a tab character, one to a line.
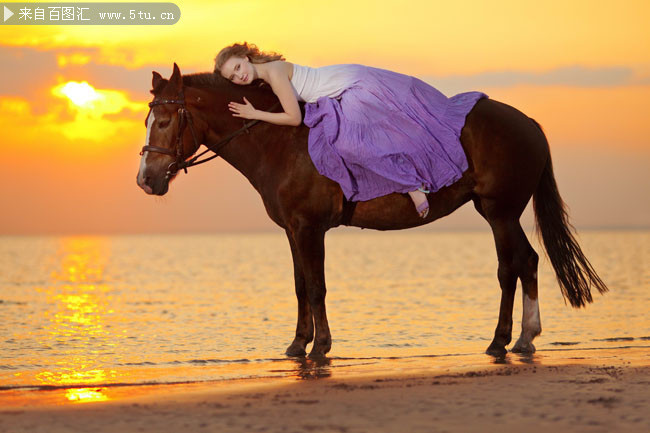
373	131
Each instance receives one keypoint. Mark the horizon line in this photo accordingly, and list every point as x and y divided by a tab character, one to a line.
279	230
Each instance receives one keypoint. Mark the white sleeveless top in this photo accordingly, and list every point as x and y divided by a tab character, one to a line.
309	84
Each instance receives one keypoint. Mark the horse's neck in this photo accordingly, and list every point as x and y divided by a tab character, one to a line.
245	152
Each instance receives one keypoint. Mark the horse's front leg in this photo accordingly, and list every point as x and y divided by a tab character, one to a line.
305	326
310	245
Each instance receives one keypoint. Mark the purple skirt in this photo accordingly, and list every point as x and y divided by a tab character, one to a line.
388	132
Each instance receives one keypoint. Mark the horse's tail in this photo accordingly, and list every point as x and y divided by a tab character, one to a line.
573	271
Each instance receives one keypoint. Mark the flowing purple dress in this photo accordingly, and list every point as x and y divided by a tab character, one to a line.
376	132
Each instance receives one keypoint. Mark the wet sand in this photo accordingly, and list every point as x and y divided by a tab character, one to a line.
598	391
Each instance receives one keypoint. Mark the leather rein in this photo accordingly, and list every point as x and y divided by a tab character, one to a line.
185	118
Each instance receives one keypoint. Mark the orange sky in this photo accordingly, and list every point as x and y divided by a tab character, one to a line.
582	69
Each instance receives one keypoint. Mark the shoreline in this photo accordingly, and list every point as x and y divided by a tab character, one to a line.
607	390
288	370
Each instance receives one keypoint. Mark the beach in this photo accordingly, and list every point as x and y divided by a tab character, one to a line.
187	333
599	393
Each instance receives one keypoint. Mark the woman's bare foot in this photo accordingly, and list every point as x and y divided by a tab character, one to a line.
421	203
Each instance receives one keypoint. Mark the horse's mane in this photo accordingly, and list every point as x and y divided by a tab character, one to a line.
204	79
217	83
212	80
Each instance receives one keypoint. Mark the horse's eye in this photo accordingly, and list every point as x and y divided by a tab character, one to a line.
163	124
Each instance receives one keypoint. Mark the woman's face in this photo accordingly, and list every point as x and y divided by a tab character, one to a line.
239	70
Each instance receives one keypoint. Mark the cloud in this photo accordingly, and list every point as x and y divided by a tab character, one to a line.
41	103
25	70
30	73
573	76
96	110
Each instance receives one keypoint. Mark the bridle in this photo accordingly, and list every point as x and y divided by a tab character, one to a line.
185	118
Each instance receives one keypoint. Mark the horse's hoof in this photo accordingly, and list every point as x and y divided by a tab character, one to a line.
317	354
496	350
296	350
319	351
525	347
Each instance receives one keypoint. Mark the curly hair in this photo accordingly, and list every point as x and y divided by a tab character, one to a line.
250	50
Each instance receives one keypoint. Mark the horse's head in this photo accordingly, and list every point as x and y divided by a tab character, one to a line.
171	137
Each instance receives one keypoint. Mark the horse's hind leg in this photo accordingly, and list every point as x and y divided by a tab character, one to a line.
305	326
531	325
513	251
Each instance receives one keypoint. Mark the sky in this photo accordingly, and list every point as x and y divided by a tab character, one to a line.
73	100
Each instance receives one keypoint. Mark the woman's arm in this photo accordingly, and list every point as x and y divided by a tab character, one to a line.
279	81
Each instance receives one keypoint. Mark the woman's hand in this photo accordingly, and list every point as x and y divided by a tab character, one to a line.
246	110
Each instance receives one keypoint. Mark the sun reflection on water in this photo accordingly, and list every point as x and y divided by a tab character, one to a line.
82	395
77	322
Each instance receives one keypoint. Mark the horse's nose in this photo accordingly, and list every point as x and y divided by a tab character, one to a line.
146	184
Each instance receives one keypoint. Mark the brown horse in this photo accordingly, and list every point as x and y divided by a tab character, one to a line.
509	161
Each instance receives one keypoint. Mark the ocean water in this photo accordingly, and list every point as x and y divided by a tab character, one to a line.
79	312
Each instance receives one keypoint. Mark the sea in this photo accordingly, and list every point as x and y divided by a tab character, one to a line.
83	315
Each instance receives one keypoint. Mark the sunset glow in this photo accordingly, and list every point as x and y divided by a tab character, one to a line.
94	110
81	94
75	98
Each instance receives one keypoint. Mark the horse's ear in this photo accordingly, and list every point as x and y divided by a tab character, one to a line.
176	79
156	79
157	82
